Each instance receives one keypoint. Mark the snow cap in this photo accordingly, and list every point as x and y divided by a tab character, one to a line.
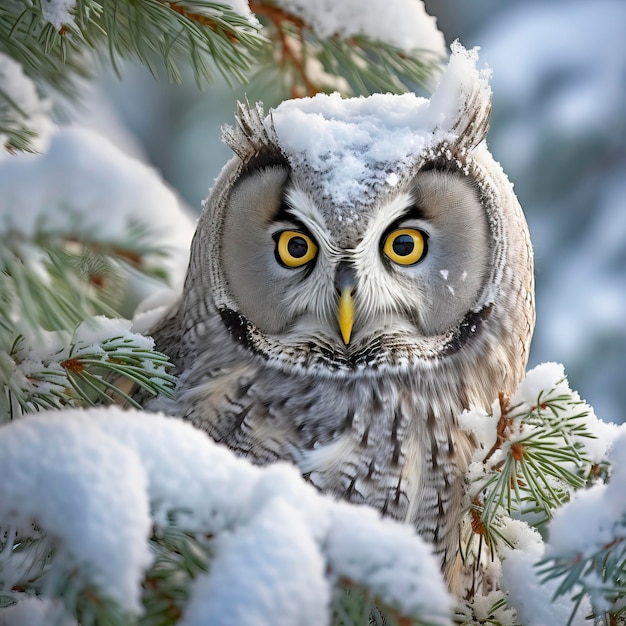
358	146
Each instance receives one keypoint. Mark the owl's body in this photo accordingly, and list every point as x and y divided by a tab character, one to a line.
345	327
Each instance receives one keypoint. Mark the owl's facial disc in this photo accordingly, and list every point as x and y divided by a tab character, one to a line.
410	268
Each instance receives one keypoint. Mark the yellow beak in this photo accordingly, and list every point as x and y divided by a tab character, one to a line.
346	313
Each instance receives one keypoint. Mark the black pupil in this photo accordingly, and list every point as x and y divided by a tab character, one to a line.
403	245
297	247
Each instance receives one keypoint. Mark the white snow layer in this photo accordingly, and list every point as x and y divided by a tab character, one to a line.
87	491
84	186
590	520
95	480
44	353
594	517
26	110
58	12
32	611
273	562
534	598
359	145
544	383
401	23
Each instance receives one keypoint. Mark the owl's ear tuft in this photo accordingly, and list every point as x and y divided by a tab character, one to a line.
253	134
462	101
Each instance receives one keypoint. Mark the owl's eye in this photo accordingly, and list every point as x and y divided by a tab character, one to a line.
405	246
294	249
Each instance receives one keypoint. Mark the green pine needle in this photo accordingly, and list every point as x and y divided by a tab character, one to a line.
534	466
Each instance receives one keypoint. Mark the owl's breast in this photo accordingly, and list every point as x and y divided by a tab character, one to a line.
377	440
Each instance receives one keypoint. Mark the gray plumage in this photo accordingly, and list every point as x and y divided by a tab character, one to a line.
262	363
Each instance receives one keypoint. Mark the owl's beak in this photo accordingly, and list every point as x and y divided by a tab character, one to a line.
346	314
345	284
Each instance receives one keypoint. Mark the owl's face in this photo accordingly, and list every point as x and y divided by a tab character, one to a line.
412	263
352	233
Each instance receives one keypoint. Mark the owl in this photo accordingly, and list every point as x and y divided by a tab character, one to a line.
361	274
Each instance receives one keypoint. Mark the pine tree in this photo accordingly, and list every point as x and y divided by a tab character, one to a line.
67	285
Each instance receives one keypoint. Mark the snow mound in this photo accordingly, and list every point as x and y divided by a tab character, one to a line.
97	480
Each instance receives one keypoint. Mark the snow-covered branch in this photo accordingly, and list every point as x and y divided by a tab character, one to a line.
90	490
97	234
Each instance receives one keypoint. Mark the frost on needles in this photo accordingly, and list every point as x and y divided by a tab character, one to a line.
539	452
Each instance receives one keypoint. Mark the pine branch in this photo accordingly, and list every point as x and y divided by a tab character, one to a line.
28	566
23	114
43	52
82	372
178	515
303	64
489	610
204	34
592	562
54	282
179	557
535	450
601	576
210	37
535	463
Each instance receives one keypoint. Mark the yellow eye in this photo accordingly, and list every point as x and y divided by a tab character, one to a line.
405	246
294	249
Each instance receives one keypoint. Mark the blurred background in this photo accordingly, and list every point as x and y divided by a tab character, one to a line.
558	129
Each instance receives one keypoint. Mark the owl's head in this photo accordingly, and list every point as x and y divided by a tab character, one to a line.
351	231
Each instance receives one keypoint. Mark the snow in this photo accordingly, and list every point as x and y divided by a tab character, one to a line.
58	12
95	330
39	357
87	188
401	23
87	492
541	384
591	519
594	517
534	598
32	611
367	550
31	111
241	586
95	481
238	6
545	383
152	309
357	146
